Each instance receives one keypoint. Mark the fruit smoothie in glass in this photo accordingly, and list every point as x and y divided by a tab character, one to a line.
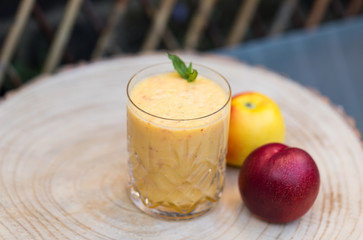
177	140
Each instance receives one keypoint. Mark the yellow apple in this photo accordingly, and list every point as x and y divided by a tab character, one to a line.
255	120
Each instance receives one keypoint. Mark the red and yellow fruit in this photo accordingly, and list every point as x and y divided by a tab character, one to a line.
255	120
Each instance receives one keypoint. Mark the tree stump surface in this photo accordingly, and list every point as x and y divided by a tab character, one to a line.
63	160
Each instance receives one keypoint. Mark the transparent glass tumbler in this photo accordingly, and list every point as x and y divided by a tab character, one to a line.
176	167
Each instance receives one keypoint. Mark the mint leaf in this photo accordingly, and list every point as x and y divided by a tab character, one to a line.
188	74
192	76
190	68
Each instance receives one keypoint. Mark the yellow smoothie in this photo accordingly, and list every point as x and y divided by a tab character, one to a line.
177	164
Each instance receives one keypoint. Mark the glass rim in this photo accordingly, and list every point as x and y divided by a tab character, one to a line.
179	119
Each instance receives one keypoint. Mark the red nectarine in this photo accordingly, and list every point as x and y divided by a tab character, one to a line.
279	183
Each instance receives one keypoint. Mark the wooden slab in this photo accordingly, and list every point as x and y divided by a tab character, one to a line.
63	160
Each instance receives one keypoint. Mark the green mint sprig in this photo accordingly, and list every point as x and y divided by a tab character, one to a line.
188	73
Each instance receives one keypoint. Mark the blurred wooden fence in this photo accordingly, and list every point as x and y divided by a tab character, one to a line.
247	19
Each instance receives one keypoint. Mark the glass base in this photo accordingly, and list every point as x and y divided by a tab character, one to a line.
167	212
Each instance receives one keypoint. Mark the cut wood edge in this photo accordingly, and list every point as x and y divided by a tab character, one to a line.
340	110
349	120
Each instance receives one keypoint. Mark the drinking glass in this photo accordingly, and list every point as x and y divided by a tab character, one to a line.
176	167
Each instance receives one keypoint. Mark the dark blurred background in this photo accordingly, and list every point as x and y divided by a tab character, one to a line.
132	28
